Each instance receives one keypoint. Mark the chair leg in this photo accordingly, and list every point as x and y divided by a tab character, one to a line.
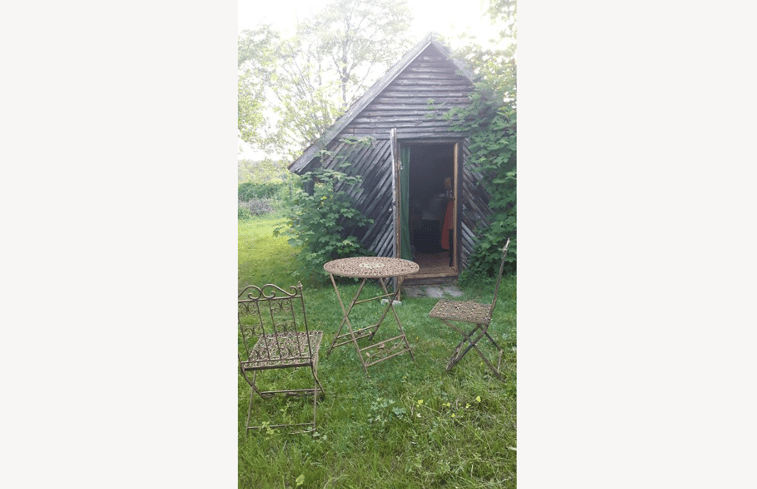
315	402
500	350
299	392
253	390
455	358
255	387
466	337
249	411
316	386
497	372
472	344
318	382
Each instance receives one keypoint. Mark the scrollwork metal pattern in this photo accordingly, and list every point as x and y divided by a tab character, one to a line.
275	326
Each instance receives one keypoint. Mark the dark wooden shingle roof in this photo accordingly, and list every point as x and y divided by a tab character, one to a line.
314	150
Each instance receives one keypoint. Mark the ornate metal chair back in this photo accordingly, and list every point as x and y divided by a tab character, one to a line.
271	313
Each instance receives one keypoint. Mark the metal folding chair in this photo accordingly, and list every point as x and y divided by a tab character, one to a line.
274	333
475	313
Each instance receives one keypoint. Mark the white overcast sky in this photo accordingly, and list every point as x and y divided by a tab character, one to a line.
447	17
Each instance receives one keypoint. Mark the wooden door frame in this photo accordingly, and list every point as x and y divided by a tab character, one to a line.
456	144
455	221
396	215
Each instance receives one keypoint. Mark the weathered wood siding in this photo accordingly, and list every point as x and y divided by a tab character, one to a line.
372	162
475	208
414	103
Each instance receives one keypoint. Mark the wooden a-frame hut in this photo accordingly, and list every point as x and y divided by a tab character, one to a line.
425	202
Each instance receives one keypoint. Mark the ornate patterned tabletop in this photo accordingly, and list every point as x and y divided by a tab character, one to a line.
371	267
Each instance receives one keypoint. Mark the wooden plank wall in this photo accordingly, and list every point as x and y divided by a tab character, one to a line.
372	162
475	209
406	105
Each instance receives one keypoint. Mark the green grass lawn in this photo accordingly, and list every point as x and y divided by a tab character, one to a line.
261	257
406	425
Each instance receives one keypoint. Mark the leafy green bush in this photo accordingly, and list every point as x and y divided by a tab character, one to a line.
243	213
491	123
323	222
256	207
256	190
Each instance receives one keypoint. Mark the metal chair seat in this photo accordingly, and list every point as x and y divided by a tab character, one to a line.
284	350
468	311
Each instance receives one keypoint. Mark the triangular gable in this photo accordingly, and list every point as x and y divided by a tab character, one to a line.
332	132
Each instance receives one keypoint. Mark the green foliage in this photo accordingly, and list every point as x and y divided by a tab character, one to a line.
243	213
361	39
255	58
264	184
253	190
504	13
493	154
264	172
254	207
491	122
308	80
323	222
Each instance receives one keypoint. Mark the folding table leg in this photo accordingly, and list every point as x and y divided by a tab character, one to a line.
369	331
396	318
345	314
346	320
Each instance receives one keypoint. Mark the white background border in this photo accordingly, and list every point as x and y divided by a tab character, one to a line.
636	244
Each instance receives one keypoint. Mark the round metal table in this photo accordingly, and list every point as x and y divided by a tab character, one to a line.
381	269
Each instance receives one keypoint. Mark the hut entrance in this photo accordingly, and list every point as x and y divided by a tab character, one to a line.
432	198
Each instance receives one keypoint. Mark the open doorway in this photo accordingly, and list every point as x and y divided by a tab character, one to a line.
432	209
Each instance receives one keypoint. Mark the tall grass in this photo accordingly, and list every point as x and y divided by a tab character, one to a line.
405	425
261	257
